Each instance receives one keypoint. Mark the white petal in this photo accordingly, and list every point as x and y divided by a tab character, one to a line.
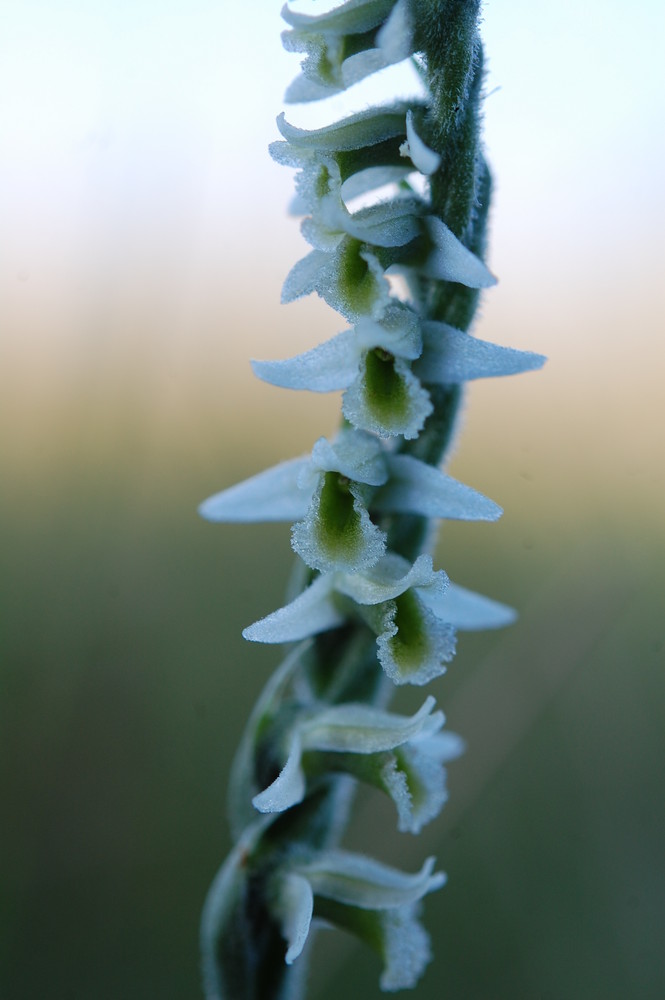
272	495
311	612
416	783
364	729
371	178
417	488
397	935
451	356
303	276
395	36
452	261
242	783
303	89
334	364
398	332
354	454
468	611
326	273
352	17
288	156
394	41
390	222
400	225
441	746
422	157
293	906
363	129
391	577
322	37
366	883
405	948
330	366
288	788
361	65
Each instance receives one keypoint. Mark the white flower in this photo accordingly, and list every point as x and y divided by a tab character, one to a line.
410	350
327	38
350	277
336	532
352	251
413	643
350	280
377	903
402	756
372	363
404	605
326	493
402	484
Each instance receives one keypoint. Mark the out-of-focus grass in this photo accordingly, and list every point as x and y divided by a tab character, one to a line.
553	834
125	684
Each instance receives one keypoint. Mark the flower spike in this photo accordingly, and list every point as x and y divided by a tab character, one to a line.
366	606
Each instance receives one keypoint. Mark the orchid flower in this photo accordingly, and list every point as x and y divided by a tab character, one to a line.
401	756
369	899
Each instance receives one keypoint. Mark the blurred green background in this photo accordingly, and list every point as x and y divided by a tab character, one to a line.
126	682
141	263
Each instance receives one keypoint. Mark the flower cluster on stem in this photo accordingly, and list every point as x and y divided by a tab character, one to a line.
368	610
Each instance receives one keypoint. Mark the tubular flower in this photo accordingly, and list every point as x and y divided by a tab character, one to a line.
367	610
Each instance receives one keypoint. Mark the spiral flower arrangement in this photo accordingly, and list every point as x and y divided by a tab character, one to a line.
368	610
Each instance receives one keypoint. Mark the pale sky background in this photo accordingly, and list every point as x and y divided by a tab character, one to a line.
145	239
146	112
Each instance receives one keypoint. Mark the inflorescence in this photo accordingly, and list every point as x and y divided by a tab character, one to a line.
368	610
